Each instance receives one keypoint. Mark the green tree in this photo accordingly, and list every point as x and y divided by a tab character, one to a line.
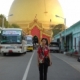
1	16
6	23
15	26
58	28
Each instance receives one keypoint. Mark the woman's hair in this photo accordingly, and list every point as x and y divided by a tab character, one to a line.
45	40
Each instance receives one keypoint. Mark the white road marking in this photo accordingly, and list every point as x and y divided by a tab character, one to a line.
28	67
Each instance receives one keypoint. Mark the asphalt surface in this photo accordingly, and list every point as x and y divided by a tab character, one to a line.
13	67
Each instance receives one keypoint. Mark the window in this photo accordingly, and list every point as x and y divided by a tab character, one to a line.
11	37
75	43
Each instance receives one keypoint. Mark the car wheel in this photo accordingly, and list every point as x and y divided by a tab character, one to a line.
4	54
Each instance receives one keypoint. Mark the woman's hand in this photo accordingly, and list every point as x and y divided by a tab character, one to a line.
38	64
50	63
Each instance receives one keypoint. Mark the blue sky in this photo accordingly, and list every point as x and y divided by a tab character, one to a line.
70	8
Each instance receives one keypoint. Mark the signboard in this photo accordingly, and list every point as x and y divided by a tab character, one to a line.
11	32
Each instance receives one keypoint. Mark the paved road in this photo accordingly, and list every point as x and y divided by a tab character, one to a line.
19	67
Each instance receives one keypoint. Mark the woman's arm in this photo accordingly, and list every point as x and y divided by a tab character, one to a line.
50	59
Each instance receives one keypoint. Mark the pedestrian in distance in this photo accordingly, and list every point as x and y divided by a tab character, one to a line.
44	59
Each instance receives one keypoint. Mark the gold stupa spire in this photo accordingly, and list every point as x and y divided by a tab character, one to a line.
45	7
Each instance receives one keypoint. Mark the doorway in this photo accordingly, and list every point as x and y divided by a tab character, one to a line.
35	41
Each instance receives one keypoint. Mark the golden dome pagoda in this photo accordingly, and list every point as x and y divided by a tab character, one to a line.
42	12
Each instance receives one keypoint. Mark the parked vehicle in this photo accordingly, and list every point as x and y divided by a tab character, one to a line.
12	41
54	47
0	38
29	44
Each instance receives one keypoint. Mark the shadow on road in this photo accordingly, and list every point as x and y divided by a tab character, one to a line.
12	55
15	54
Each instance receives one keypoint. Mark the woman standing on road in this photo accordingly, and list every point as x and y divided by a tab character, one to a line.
43	53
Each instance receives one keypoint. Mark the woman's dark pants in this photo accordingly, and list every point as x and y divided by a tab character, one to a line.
43	68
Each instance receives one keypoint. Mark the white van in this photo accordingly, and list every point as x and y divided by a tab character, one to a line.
54	47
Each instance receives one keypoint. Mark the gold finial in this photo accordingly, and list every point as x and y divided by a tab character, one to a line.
51	24
35	20
50	20
35	16
45	7
45	12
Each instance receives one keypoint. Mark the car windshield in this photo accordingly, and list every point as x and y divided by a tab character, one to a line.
10	39
7	38
54	44
29	42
